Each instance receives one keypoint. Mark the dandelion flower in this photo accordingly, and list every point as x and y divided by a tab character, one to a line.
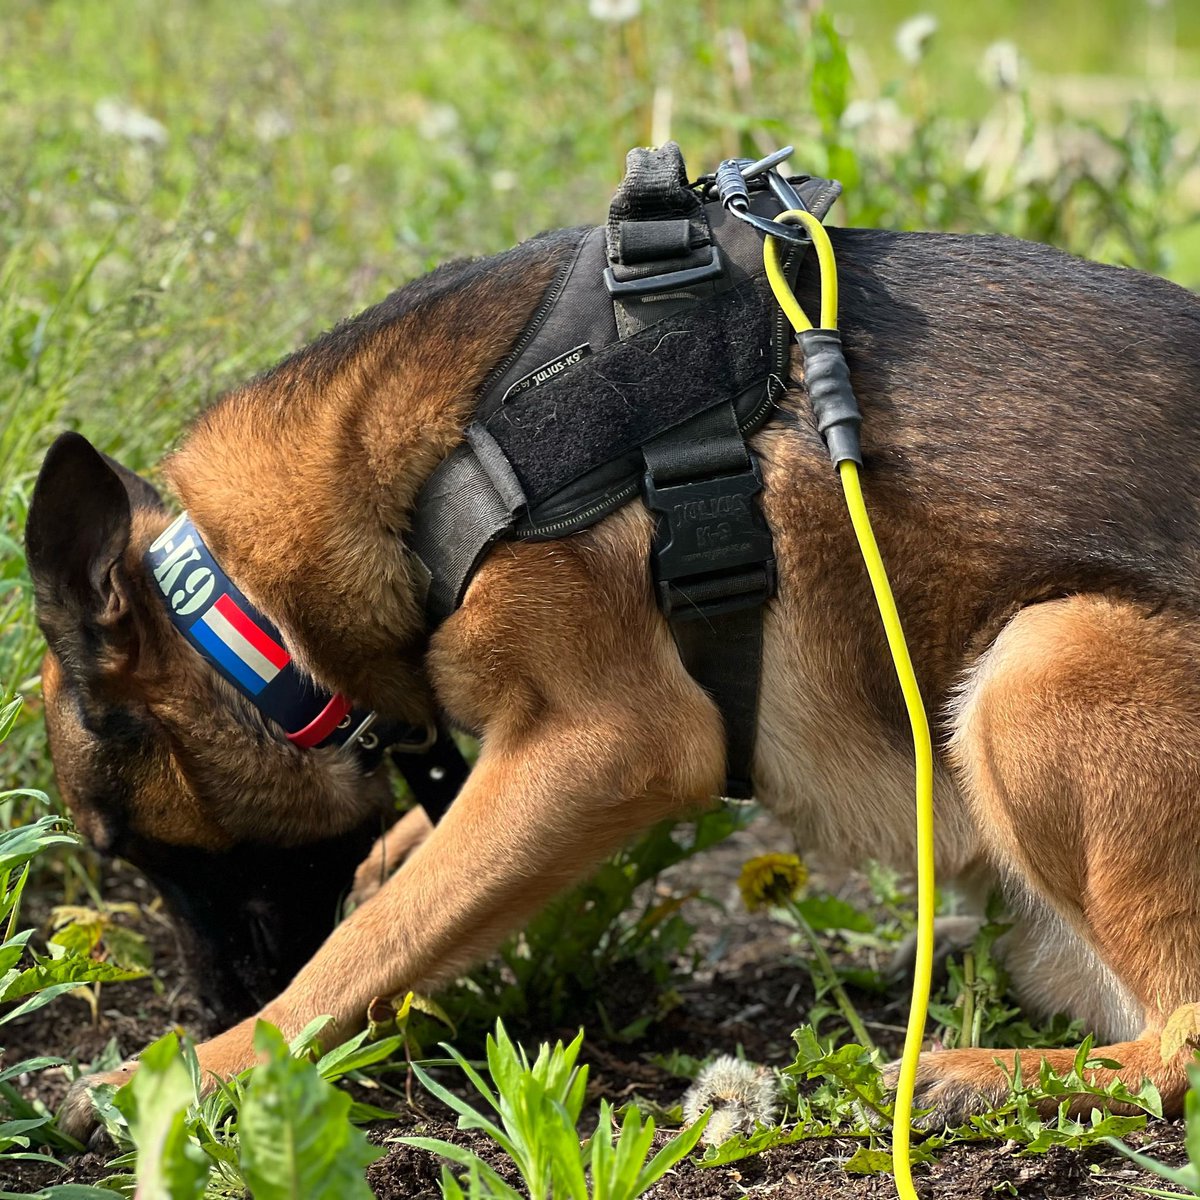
771	879
740	1094
914	36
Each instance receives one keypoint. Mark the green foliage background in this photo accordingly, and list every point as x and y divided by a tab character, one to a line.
189	188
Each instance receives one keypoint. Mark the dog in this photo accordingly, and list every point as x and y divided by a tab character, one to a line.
1032	463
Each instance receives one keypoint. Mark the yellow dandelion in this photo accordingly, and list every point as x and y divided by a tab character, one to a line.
771	879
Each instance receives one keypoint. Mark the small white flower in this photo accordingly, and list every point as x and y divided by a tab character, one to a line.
437	121
914	36
341	174
504	181
878	124
103	210
123	120
1001	66
614	10
740	1094
270	125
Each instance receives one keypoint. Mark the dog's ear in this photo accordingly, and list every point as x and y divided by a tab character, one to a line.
78	529
141	492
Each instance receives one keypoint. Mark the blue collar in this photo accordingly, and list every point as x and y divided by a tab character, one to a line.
245	648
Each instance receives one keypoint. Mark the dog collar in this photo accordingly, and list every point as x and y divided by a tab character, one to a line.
245	648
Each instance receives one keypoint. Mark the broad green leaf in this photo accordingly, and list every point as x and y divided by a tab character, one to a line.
71	969
824	912
11	951
155	1103
127	948
297	1139
78	939
304	1041
356	1054
30	1065
8	716
431	1008
742	1146
1191	1111
865	1161
25	842
1182	1031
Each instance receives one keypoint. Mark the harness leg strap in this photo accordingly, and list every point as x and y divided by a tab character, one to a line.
714	568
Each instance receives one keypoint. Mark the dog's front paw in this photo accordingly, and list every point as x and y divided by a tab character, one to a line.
388	855
77	1114
952	1085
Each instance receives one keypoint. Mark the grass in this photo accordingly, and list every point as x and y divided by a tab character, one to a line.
190	190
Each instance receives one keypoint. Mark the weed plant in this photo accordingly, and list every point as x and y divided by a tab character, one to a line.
838	1092
29	980
538	1107
1187	1176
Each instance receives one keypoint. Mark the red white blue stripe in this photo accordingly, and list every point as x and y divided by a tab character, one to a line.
240	646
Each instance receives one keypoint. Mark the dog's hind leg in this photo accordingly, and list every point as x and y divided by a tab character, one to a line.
1077	743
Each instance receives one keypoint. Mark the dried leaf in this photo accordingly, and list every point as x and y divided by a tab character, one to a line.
1182	1031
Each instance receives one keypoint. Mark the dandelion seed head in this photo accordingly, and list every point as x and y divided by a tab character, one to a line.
614	10
121	119
1001	65
914	35
741	1095
270	124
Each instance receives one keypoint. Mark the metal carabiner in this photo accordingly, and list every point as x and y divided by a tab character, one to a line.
730	182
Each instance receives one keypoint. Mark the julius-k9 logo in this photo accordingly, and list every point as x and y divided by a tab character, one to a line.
185	582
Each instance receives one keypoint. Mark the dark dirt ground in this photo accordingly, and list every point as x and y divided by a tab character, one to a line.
749	991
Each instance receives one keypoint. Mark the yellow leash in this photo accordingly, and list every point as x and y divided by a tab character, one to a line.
922	745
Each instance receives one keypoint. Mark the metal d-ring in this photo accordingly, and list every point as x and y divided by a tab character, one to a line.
752	169
417	747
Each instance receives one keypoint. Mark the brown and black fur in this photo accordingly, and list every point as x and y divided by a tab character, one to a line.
1032	445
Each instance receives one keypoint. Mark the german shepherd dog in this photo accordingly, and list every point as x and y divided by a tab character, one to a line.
1032	446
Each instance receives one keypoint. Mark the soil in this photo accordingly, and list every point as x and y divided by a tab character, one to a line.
748	992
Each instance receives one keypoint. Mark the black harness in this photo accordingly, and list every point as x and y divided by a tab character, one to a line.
655	352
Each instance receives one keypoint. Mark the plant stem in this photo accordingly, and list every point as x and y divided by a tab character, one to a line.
831	980
967	1031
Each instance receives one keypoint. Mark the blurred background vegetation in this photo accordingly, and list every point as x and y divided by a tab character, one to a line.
189	189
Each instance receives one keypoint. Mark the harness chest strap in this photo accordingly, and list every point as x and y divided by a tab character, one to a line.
655	352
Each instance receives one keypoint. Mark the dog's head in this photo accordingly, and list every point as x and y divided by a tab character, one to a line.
251	841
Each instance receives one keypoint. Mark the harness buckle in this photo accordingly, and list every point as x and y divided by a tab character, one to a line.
665	281
712	548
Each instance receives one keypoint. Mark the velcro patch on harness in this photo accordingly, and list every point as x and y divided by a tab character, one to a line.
620	398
